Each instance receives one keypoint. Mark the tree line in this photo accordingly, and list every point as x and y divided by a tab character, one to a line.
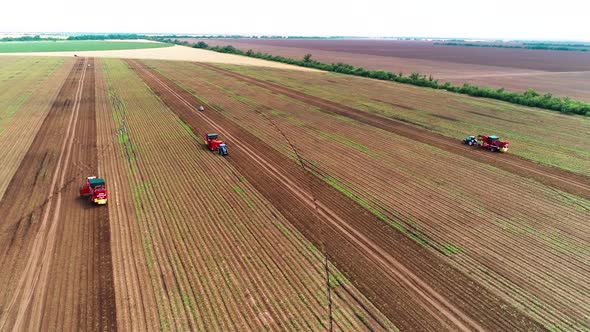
107	36
531	46
530	97
28	38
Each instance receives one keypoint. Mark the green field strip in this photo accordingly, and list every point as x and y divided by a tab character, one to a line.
75	45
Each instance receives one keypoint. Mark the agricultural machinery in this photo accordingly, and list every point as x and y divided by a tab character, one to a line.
96	189
470	140
490	142
215	144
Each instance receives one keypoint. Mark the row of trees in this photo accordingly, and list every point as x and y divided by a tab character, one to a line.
529	98
532	46
27	38
107	36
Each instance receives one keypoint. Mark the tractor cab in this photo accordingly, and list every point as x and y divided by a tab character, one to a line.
470	140
222	149
95	182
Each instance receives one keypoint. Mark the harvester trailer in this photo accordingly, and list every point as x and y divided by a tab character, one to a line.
215	144
488	142
95	188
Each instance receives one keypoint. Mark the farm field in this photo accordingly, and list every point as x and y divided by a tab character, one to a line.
204	258
449	114
405	192
173	53
54	251
75	45
27	88
344	203
223	95
560	73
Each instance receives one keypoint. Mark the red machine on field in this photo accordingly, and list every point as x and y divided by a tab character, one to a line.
215	144
490	142
96	189
493	143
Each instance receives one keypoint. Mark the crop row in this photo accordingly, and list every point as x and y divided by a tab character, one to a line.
213	247
542	136
470	212
28	87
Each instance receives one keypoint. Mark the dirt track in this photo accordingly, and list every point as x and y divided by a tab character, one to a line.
381	262
55	253
566	181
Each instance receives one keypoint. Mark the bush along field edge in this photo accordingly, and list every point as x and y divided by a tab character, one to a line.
529	98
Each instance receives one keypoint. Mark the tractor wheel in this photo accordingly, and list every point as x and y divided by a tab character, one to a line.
494	150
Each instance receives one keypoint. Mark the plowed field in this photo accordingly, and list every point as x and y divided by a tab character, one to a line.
558	72
55	249
325	215
436	196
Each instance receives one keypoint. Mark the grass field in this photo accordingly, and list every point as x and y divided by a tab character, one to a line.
75	45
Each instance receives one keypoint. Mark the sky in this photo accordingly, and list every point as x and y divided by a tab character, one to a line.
501	19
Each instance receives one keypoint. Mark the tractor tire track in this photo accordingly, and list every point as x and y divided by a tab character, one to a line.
363	258
561	179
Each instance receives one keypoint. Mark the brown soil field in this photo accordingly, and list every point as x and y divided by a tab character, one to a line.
544	137
194	244
563	180
55	249
27	89
444	199
325	215
391	258
560	73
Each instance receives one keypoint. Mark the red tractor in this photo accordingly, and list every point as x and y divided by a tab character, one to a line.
96	189
215	144
492	143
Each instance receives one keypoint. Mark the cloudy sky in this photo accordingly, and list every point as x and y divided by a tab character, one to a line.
514	19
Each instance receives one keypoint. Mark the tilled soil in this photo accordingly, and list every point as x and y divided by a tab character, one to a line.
563	180
411	286
558	72
55	246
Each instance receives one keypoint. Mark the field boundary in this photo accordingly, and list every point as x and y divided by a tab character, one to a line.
529	98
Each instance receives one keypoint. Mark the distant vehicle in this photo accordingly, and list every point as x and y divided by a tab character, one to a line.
215	144
488	142
201	108
76	55
96	189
